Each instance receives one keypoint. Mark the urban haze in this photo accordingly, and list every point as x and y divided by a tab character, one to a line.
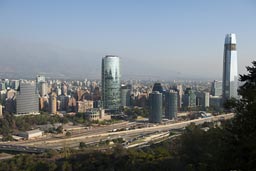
155	40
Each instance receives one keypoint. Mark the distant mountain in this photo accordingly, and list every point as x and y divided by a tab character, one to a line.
20	60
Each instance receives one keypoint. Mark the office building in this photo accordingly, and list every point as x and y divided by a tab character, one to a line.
63	105
158	87
205	100
84	105
27	101
171	104
126	95
15	84
39	79
2	86
43	89
53	104
64	89
71	104
216	88
111	87
96	94
230	74
179	90
43	103
155	107
215	102
189	99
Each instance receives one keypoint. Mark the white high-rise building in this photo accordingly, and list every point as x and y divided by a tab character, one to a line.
39	79
230	73
43	89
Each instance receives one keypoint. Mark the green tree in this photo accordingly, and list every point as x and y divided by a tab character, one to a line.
66	166
82	145
243	128
68	134
59	129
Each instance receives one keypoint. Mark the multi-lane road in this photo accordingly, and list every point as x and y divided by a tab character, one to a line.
103	133
24	149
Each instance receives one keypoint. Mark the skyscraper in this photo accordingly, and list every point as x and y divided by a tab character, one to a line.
53	104
230	75
179	90
39	79
155	107
126	95
171	104
111	85
43	88
158	87
189	98
216	88
205	100
27	101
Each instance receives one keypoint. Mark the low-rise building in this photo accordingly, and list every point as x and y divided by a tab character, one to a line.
36	133
97	114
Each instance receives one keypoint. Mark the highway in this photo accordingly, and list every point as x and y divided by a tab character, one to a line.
24	149
103	133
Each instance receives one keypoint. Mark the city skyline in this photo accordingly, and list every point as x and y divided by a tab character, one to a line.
167	40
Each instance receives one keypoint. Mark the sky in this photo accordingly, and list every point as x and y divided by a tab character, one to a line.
155	39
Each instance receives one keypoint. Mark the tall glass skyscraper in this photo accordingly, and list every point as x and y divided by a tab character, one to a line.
111	86
171	104
155	107
230	75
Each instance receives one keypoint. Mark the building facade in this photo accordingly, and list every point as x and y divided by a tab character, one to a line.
189	99
43	89
179	89
27	101
53	104
171	104
39	79
111	86
97	114
230	73
155	107
126	95
216	88
205	100
83	106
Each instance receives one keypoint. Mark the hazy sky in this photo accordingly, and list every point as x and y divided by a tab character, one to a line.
168	39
